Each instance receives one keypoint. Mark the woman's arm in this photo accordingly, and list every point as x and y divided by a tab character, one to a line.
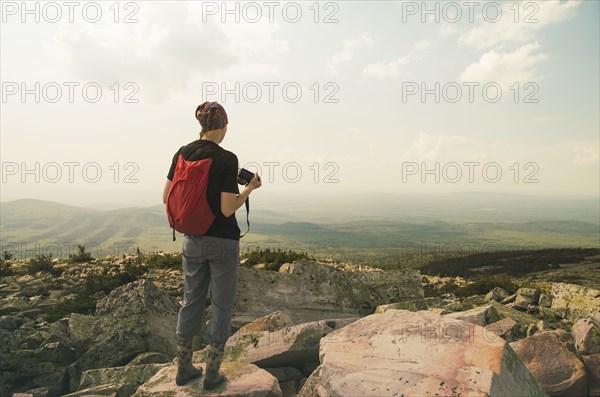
166	190
230	202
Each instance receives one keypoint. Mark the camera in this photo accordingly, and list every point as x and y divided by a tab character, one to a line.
244	176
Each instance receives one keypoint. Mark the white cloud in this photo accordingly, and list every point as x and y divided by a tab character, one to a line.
347	53
422	45
393	68
385	69
164	50
532	16
587	154
506	68
433	147
446	30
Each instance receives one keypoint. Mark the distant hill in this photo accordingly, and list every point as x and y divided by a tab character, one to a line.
29	227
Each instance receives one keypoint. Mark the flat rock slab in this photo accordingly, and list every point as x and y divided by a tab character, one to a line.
243	380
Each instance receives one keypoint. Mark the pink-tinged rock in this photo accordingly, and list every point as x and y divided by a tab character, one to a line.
419	353
551	358
243	380
586	334
592	366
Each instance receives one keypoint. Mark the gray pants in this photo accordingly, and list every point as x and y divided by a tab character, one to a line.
208	261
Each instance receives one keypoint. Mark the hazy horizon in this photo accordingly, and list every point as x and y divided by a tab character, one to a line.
269	201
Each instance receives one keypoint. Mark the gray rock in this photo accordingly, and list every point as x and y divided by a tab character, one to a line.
37	392
509	299
81	329
6	343
573	302
526	297
545	300
151	358
290	346
412	305
496	294
472	302
433	301
313	291
114	351
506	328
11	323
33	374
524	320
481	316
134	318
120	380
12	305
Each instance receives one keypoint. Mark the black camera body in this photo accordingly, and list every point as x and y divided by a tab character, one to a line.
244	176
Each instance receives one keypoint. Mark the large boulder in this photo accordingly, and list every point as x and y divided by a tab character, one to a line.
290	346
310	291
419	353
552	359
586	334
135	318
243	379
574	301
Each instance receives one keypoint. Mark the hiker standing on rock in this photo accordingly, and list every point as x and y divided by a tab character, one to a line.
211	258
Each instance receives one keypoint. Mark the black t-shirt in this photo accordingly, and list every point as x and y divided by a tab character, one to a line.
222	177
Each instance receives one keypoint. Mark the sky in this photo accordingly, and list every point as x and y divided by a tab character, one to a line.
323	98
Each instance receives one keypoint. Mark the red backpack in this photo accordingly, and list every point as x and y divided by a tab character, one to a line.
187	206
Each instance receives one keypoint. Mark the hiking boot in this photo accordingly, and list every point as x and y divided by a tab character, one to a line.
213	375
185	370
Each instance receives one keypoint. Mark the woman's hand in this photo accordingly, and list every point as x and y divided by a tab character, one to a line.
255	183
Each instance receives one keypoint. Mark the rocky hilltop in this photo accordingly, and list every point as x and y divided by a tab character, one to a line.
310	329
